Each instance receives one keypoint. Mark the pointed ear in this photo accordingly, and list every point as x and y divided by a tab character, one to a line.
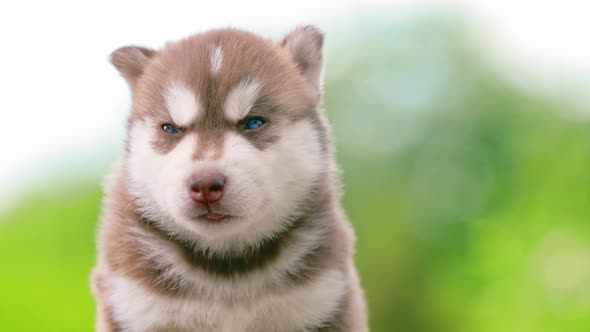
306	46
130	61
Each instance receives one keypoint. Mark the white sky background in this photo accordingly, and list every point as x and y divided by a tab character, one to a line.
58	92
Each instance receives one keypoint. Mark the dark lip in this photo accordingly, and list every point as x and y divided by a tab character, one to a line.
214	217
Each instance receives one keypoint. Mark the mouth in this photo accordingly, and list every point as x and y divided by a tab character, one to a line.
214	217
210	213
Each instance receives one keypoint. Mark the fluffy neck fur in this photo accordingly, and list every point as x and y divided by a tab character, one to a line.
141	249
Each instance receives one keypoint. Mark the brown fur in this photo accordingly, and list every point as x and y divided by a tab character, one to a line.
124	250
124	253
284	91
285	94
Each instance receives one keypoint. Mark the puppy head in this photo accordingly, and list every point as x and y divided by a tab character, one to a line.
225	142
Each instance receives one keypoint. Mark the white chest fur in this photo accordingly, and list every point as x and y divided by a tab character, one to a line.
139	309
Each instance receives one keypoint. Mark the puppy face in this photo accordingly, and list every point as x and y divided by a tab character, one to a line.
225	142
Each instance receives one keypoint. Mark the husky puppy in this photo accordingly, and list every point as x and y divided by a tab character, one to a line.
223	212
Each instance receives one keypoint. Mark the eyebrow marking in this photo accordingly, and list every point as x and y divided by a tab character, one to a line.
240	99
216	60
182	103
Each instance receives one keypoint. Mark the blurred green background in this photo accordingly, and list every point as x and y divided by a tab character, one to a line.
468	192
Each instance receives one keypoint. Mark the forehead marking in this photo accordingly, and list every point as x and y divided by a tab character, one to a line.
216	60
182	104
240	99
210	145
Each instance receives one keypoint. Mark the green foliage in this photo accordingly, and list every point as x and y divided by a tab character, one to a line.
47	250
469	197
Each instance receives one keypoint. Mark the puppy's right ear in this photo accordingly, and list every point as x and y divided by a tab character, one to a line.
130	61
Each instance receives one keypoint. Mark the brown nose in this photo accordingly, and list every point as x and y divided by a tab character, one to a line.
206	188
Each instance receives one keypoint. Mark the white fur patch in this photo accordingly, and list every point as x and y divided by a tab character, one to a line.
182	104
293	309
262	192
240	99
158	181
216	60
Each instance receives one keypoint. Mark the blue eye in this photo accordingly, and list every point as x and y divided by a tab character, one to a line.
254	122
169	129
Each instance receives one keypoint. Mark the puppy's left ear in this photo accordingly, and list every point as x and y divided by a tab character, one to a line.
306	46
